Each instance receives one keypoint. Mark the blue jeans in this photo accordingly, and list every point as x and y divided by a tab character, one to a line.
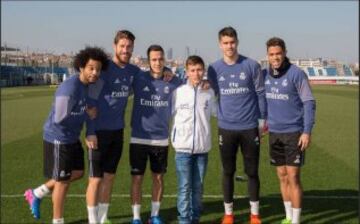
190	170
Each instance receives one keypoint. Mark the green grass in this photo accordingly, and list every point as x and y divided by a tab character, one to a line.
331	166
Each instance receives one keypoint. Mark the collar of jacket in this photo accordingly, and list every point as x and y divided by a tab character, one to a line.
191	85
277	73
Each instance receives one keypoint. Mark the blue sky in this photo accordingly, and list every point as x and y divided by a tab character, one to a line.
327	29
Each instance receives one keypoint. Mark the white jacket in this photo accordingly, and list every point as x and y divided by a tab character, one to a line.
191	110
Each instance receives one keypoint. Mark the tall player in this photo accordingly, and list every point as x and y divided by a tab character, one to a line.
115	87
238	82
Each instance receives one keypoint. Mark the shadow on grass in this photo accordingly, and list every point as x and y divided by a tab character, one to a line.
319	206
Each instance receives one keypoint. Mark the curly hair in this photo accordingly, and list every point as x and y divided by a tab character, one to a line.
94	53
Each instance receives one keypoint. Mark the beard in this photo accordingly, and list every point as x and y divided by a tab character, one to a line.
122	61
92	80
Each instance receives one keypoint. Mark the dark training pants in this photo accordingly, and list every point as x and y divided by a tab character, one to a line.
249	142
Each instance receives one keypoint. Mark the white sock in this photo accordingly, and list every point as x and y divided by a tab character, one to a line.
136	211
102	212
92	214
228	208
288	209
58	221
296	212
254	207
41	191
155	207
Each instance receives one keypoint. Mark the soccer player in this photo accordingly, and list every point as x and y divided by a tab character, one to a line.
63	153
239	84
150	131
115	85
192	107
110	97
291	116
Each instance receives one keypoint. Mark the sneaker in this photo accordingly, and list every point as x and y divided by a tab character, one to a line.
228	219
155	220
136	221
34	203
286	221
255	219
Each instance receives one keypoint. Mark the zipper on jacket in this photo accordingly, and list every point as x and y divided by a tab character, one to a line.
193	148
174	135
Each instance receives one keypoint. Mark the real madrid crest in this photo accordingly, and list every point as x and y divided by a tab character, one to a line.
124	88
242	76
284	82
166	90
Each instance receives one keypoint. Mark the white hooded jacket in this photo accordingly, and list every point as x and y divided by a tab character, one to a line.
191	110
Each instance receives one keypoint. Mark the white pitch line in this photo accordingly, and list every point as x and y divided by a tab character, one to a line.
204	196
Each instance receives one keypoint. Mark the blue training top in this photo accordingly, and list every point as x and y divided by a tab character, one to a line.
290	103
240	91
152	108
67	114
110	95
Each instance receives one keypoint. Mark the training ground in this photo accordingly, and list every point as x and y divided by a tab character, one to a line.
330	176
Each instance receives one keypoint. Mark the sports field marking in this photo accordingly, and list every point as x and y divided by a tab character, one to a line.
204	196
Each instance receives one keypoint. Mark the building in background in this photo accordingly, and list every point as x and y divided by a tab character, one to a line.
169	54
29	68
321	71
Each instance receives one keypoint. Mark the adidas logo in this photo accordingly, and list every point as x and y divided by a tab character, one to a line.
256	140
297	161
146	89
117	80
222	78
220	140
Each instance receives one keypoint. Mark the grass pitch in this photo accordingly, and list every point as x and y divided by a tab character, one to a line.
330	176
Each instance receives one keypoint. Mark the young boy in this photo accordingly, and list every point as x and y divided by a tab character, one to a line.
192	107
63	153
